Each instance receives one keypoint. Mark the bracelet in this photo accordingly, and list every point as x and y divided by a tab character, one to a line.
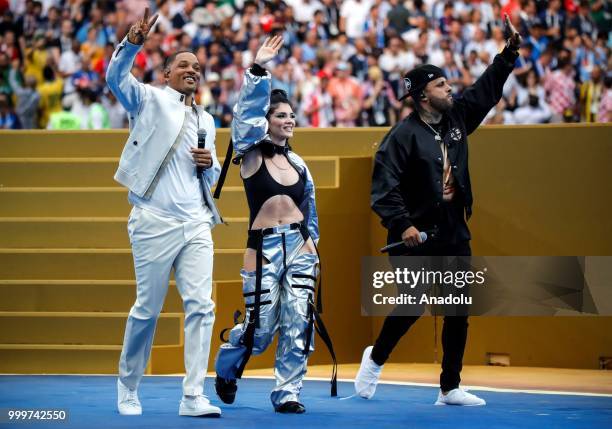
258	70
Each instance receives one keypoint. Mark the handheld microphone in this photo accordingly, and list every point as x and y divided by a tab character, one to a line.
401	244
201	145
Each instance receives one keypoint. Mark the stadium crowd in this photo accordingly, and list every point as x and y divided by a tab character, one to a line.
342	62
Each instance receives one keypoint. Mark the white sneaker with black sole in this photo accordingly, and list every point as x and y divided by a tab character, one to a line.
127	400
198	406
368	375
460	397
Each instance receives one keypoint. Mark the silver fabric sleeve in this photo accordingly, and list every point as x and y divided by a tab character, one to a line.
250	125
308	206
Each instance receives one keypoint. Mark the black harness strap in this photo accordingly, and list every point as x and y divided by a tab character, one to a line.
237	315
314	314
320	287
310	327
322	331
224	169
248	339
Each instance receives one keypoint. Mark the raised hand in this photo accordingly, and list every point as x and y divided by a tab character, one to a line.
513	37
268	50
139	31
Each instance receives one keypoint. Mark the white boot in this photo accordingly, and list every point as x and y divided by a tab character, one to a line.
368	375
459	396
127	400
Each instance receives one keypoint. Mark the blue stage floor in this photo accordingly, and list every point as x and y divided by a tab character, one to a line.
91	403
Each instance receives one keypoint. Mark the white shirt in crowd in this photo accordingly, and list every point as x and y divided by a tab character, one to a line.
79	108
178	194
397	65
303	10
69	64
355	13
117	115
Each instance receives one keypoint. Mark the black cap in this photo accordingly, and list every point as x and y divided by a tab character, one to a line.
417	78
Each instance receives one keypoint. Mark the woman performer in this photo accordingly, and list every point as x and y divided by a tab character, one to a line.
281	259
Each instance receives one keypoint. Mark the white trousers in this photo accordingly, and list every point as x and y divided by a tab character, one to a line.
158	245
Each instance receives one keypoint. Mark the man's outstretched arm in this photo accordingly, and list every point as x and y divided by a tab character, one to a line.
121	82
478	99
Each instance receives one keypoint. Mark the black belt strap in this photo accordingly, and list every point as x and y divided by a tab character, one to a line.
309	327
248	339
322	331
237	315
320	287
226	165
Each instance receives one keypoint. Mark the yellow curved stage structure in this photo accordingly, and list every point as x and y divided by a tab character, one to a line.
66	274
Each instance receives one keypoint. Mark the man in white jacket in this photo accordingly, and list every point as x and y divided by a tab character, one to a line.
169	182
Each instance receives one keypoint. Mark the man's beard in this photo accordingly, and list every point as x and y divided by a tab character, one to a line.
441	104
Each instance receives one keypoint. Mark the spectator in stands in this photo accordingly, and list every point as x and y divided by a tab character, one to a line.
353	16
9	45
64	119
331	13
50	94
229	89
553	19
454	71
346	95
70	63
604	113
36	56
97	115
66	39
86	77
220	111
396	60
398	17
317	105
8	117
117	115
28	97
531	101
560	87
5	68
583	22
37	32
379	103
525	62
304	10
374	29
592	92
359	60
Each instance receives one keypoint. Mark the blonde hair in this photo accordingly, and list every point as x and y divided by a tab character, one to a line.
374	73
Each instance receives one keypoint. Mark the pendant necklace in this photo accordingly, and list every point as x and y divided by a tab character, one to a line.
437	137
277	166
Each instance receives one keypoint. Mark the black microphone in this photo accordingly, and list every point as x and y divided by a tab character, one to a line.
201	145
401	244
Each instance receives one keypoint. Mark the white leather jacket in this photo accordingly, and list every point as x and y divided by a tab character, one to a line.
156	117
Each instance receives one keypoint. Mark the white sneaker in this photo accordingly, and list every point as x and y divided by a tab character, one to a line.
368	375
127	400
459	396
198	406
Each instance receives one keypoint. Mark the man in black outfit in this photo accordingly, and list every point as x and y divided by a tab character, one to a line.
421	182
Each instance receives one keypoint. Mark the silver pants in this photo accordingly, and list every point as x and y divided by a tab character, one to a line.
288	288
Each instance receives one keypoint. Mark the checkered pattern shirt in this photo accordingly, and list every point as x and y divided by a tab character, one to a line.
560	88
